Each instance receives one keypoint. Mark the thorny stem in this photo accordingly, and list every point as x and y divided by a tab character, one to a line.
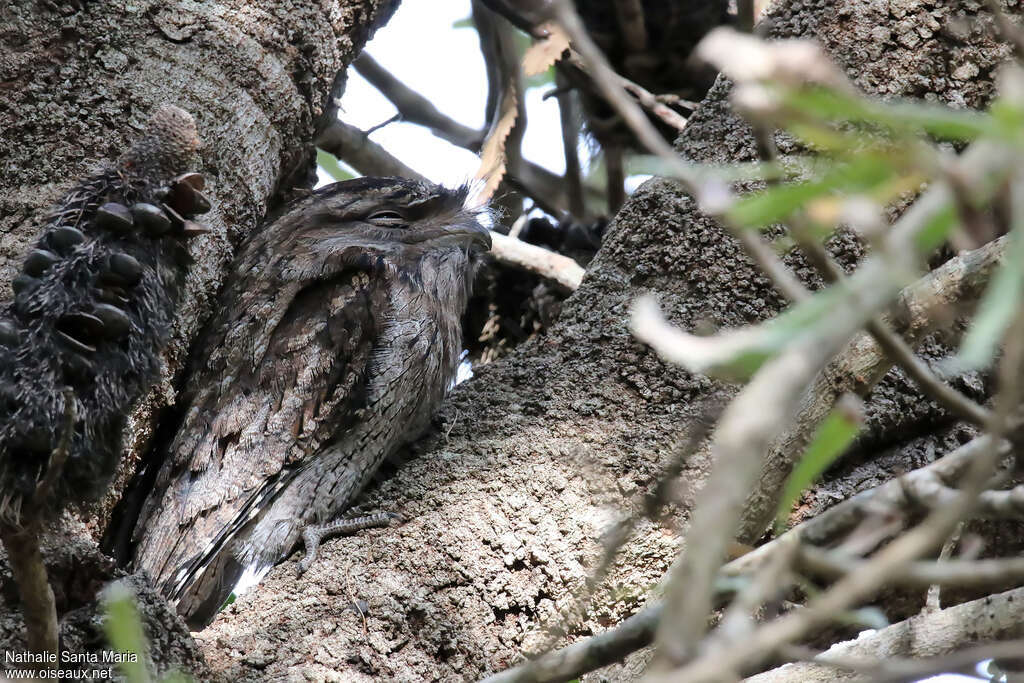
21	541
37	603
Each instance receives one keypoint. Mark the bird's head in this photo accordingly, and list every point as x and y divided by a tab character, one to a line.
368	222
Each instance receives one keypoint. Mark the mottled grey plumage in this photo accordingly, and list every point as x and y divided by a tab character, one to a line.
92	310
337	337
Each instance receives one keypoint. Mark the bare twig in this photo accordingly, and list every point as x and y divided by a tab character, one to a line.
772	580
415	108
632	634
638	631
37	602
569	116
955	285
961	573
933	596
932	493
932	639
891	560
549	265
535	181
609	82
21	541
655	104
892	344
363	154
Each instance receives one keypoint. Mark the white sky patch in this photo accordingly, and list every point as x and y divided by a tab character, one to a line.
448	69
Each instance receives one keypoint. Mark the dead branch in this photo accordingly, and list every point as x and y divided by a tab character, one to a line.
535	181
917	312
888	562
601	650
935	636
21	538
416	108
559	269
987	573
638	630
357	149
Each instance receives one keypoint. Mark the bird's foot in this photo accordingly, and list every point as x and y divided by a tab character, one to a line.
313	535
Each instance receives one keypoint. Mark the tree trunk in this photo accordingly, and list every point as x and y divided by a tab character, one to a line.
78	81
508	499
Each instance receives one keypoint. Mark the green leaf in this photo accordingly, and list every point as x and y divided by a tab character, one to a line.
1002	299
332	166
124	631
830	440
775	204
737	354
545	79
936	230
904	117
783	169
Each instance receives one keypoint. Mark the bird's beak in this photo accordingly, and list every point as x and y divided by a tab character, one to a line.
481	236
478	235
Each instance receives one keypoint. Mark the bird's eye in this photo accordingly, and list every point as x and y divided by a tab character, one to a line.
387	218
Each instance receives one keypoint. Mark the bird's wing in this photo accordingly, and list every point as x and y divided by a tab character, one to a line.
282	369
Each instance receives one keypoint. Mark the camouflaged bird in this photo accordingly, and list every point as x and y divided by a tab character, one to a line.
337	337
92	309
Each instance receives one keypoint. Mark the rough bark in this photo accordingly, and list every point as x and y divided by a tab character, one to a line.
79	79
531	460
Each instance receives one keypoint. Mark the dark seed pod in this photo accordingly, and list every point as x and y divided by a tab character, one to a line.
123	270
151	219
194	180
38	261
177	222
192	229
115	217
111	294
36	440
81	326
77	368
75	345
65	238
187	199
23	283
200	203
9	334
116	322
8	398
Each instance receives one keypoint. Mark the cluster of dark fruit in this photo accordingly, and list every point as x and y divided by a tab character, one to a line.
91	310
81	331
